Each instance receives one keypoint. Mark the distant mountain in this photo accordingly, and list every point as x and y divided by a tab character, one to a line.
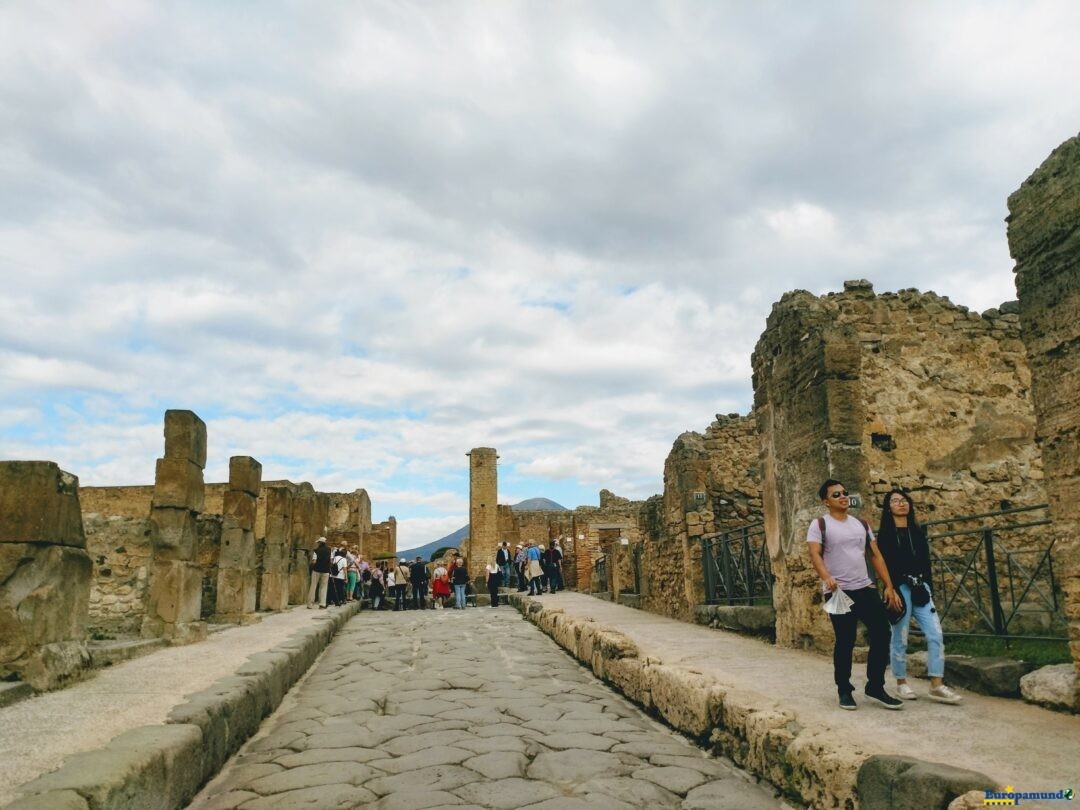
454	538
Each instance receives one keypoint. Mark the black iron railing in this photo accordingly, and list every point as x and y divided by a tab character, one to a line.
635	559
600	567
995	575
736	565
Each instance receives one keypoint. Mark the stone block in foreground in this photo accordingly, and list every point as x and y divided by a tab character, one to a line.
44	575
39	503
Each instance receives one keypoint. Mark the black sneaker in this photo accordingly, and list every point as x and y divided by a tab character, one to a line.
884	698
848	702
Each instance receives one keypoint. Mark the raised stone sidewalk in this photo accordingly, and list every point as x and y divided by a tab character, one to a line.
146	733
774	712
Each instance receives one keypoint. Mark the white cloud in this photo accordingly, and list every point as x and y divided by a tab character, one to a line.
360	240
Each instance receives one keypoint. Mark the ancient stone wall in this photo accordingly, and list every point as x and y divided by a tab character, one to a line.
44	575
383	538
119	548
124	501
1044	238
900	389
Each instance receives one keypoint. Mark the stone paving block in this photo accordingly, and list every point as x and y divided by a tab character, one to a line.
417	800
436	777
638	792
672	777
428	757
410	744
322	797
591	742
595	801
576	765
507	794
480	756
305	776
53	800
499	764
727	794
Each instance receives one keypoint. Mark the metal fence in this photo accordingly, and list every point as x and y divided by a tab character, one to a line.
736	565
600	567
994	574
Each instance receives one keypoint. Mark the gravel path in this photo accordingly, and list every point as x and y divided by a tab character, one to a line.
36	734
470	709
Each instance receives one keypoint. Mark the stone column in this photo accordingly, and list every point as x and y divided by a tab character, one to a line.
237	568
175	597
303	541
1044	238
277	548
44	575
483	509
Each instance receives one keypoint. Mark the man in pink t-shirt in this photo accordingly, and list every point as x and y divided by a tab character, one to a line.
839	557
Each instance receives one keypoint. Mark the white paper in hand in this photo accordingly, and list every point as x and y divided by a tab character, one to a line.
839	604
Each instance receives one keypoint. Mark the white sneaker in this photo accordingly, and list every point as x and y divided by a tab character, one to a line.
906	692
943	694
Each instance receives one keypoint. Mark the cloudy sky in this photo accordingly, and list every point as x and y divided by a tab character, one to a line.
359	239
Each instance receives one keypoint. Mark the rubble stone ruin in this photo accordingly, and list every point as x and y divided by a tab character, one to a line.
1044	238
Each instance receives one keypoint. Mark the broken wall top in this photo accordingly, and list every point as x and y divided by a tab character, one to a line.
39	503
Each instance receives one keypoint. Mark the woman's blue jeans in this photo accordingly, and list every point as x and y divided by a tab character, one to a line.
459	597
930	624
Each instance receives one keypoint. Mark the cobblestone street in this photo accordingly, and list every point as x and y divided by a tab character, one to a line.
466	709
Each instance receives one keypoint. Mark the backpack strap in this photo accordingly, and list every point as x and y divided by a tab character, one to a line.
821	526
866	528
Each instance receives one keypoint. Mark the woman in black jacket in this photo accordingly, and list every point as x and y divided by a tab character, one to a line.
903	544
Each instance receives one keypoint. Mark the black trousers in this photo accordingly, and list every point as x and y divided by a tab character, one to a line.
494	594
399	597
869	610
337	590
419	594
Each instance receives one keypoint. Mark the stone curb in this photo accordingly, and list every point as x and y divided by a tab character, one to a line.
809	765
163	767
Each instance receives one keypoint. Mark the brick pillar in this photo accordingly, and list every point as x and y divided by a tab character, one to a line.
277	548
483	510
237	572
44	575
175	593
1044	238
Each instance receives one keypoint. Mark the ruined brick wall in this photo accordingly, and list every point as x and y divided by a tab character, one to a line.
899	389
734	479
119	548
125	501
383	538
1044	238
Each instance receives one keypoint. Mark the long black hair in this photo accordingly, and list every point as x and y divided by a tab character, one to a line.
887	527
